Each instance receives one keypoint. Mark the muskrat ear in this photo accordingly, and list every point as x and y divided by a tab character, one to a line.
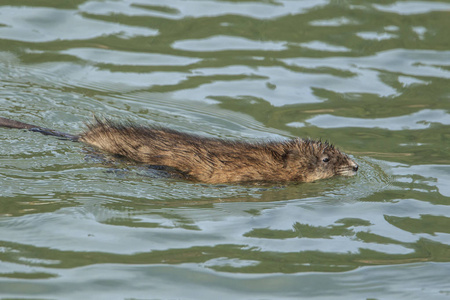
290	155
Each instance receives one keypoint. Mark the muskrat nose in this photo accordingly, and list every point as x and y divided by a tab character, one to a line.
355	168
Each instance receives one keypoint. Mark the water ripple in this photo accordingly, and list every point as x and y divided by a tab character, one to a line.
34	26
422	119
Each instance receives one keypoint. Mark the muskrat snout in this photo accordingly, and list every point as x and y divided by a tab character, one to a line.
353	168
349	168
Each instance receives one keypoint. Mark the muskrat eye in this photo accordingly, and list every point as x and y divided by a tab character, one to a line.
326	159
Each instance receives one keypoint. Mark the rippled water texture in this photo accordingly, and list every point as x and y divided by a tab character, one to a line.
369	76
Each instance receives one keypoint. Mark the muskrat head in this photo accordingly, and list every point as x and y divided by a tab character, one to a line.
314	160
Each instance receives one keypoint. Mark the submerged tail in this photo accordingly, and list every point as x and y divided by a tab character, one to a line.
7	123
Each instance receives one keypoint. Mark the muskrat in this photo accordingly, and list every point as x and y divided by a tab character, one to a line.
211	160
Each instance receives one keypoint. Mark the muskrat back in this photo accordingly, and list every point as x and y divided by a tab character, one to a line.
212	160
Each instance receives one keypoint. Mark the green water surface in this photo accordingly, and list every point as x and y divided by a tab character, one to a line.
370	77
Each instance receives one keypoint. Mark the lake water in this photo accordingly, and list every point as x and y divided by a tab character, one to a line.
372	78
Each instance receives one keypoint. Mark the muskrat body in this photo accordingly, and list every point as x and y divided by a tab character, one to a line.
211	160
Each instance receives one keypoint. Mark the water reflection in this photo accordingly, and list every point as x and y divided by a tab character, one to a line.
34	26
224	43
416	121
413	7
197	9
107	56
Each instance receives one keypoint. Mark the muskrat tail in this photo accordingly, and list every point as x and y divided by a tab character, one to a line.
7	123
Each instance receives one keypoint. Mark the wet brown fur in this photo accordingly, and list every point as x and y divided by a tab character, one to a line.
212	160
220	161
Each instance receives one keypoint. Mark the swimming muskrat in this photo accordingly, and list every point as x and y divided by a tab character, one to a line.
211	160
